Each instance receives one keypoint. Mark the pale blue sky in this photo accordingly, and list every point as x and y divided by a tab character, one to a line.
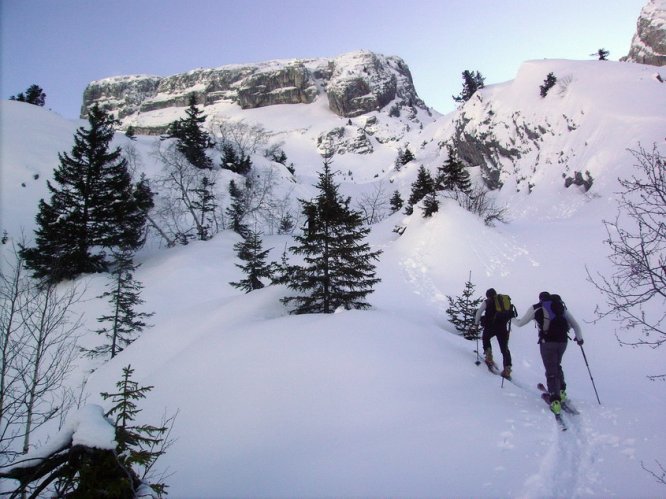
63	44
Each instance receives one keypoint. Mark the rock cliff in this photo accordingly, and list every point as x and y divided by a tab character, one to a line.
355	83
648	45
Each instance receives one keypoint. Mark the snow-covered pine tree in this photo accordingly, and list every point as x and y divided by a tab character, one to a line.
79	469
124	323
422	186
338	268
462	310
452	175
94	206
407	156
430	205
251	252
235	161
396	202
472	81
548	83
192	140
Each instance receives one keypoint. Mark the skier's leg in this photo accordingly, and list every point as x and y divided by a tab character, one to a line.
562	348
503	340
550	354
487	349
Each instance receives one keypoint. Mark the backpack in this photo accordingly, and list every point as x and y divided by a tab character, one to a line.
554	326
504	309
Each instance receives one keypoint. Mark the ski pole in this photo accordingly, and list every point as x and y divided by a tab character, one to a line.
478	358
588	370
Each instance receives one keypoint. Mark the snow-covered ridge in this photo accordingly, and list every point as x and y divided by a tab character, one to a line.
355	83
585	124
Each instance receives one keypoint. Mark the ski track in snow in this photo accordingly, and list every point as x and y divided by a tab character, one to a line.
418	275
566	467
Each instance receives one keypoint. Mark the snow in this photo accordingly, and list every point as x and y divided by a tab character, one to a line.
87	427
389	402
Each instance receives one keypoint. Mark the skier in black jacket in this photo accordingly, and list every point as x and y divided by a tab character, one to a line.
552	344
492	327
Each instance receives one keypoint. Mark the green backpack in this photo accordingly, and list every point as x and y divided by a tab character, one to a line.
504	309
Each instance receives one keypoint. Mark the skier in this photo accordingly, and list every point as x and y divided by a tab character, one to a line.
553	321
494	326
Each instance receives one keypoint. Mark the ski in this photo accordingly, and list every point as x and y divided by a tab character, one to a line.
493	368
566	404
558	417
560	422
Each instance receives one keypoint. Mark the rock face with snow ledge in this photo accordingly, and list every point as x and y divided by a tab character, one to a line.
355	83
648	45
515	135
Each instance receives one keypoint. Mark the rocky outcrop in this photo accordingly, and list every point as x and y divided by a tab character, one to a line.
355	84
289	85
123	95
500	141
648	45
343	140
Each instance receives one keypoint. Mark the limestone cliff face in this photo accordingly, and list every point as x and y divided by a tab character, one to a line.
648	45
355	84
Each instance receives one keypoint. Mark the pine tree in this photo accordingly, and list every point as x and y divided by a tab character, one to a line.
136	443
430	205
34	95
286	225
229	158
396	202
124	324
94	206
255	267
422	186
192	140
472	81
462	310
282	272
407	156
204	204
548	83
452	175
404	157
338	270
236	210
73	468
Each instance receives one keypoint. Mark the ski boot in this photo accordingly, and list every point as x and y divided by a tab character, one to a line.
506	372
488	354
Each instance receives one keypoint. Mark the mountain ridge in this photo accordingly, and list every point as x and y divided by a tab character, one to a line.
355	83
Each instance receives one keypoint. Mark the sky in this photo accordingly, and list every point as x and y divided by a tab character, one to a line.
63	45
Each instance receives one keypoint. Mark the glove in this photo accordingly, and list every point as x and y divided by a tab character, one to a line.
580	342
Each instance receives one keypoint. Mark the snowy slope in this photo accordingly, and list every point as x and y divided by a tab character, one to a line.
389	402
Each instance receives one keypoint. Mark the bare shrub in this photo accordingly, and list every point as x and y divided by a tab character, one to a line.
635	291
479	202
